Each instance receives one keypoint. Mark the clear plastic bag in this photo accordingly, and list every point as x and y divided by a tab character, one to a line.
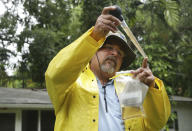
131	94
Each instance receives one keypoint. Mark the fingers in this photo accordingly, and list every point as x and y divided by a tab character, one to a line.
136	72
107	9
113	19
105	14
144	75
109	23
149	80
144	64
105	23
140	73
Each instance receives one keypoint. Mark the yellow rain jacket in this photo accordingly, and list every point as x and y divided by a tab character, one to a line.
74	93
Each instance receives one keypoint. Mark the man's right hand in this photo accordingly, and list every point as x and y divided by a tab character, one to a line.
105	23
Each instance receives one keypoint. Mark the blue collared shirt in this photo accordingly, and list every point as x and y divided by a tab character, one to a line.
111	120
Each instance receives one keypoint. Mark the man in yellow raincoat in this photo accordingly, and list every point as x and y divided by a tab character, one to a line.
83	95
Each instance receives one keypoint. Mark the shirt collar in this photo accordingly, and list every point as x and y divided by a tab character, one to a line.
110	82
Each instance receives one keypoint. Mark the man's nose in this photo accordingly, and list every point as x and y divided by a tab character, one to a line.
115	52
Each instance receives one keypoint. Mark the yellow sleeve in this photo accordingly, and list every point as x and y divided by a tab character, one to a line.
157	107
66	66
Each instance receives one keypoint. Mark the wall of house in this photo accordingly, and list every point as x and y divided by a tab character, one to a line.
184	115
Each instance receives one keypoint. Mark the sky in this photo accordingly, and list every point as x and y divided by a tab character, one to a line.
2	8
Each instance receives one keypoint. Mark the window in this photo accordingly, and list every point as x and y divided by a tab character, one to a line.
7	121
38	120
29	120
47	120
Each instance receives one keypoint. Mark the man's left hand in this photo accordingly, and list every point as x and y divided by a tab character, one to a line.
144	74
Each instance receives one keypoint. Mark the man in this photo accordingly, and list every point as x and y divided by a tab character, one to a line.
84	97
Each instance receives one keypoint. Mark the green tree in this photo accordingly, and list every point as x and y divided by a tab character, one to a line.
184	50
45	38
91	9
8	23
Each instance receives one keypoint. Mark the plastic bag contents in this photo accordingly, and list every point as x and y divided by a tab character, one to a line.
131	94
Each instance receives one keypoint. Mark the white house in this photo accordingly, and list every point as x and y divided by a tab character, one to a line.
182	107
25	110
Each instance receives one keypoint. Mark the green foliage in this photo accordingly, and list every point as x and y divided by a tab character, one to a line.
75	23
91	9
8	24
46	37
184	48
4	79
45	45
171	12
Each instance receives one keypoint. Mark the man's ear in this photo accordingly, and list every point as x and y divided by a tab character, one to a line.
93	60
90	62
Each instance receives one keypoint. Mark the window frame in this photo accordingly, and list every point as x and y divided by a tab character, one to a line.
18	118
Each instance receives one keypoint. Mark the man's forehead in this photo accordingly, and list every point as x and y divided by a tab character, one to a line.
113	44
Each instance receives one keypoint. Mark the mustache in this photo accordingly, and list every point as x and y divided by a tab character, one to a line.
112	58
